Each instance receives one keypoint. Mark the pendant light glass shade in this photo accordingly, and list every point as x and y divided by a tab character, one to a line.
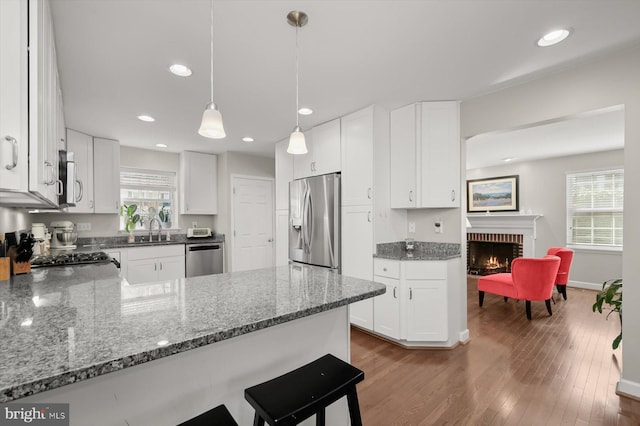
211	126
297	144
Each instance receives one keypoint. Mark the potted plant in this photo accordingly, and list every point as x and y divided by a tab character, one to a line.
611	294
131	219
165	217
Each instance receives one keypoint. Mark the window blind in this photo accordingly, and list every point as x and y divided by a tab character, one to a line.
147	179
595	208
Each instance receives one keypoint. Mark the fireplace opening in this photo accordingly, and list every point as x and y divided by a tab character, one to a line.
488	257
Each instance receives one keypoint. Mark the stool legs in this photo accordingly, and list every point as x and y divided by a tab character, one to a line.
320	418
257	420
354	407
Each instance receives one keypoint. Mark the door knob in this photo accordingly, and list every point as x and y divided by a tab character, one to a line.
270	240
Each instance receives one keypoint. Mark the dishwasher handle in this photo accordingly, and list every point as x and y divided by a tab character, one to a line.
207	247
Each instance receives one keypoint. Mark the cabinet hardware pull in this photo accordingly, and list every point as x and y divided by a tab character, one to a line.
411	196
161	266
369	193
394	292
369	217
410	293
384	269
59	187
14	152
453	195
80	190
270	240
90	204
155	266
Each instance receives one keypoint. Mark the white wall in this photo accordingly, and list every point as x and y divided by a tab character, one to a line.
612	80
103	225
543	190
237	163
12	219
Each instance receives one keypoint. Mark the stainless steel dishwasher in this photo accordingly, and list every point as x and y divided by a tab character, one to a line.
204	259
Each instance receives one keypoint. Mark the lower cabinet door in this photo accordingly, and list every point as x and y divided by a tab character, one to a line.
386	308
426	310
361	314
142	271
171	268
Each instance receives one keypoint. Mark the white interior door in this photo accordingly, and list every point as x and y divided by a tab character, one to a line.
252	223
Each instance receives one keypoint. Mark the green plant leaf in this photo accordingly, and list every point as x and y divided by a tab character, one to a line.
616	341
132	209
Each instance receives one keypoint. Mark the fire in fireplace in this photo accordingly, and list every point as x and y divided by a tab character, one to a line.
488	257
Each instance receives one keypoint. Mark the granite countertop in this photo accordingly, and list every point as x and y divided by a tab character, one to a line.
61	325
106	243
422	251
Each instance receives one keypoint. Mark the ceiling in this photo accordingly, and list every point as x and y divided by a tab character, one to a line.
113	57
594	131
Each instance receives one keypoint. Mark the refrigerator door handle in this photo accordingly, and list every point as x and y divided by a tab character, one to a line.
310	227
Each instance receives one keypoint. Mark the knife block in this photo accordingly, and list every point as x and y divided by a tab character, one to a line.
21	268
5	268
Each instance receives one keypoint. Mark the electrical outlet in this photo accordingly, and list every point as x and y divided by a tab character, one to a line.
412	227
83	226
438	227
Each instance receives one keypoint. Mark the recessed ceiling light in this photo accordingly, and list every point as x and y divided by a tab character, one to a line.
553	37
180	70
147	118
161	145
305	111
247	139
507	159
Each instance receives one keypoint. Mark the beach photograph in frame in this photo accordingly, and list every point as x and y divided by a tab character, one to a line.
499	194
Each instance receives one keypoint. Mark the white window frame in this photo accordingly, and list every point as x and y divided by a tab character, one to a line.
174	197
569	212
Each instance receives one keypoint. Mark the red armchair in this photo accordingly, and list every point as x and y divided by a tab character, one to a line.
530	279
566	256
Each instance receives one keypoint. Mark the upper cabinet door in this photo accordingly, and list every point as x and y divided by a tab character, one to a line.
326	148
14	134
357	158
284	174
440	154
106	174
198	183
82	147
402	157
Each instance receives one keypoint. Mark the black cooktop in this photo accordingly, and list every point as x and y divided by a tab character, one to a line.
67	259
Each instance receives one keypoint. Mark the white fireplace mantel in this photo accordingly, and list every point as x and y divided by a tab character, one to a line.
507	223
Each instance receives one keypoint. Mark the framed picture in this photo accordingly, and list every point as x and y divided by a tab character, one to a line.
499	194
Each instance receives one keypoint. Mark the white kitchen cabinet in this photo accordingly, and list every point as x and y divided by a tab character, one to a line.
282	237
82	147
106	175
357	257
198	183
425	155
357	131
155	263
30	105
415	307
284	174
324	156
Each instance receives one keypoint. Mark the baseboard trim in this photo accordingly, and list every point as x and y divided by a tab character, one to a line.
463	336
585	285
628	389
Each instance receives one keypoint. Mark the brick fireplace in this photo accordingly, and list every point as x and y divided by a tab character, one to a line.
494	240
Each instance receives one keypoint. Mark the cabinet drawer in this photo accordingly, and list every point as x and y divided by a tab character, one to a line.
416	270
155	252
386	268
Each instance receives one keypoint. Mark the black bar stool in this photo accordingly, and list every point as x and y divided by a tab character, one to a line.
303	392
218	416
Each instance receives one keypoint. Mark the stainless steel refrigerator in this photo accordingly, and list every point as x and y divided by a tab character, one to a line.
314	220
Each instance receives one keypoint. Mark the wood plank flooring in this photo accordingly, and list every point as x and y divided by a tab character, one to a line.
557	370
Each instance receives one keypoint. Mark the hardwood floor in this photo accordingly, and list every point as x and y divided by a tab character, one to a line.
557	370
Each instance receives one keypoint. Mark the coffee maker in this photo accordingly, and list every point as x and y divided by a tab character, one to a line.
63	235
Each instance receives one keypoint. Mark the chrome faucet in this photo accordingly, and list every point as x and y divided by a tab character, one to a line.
156	220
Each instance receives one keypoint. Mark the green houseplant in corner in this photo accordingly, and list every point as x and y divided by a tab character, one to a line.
131	219
611	294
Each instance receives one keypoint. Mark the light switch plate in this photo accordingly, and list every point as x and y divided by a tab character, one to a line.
438	227
83	226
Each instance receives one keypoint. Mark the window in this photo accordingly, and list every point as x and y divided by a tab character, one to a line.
594	209
153	192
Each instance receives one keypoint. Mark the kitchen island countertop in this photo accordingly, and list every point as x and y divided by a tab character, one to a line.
66	324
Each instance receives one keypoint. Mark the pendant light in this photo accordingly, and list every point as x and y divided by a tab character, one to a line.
297	143
211	126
